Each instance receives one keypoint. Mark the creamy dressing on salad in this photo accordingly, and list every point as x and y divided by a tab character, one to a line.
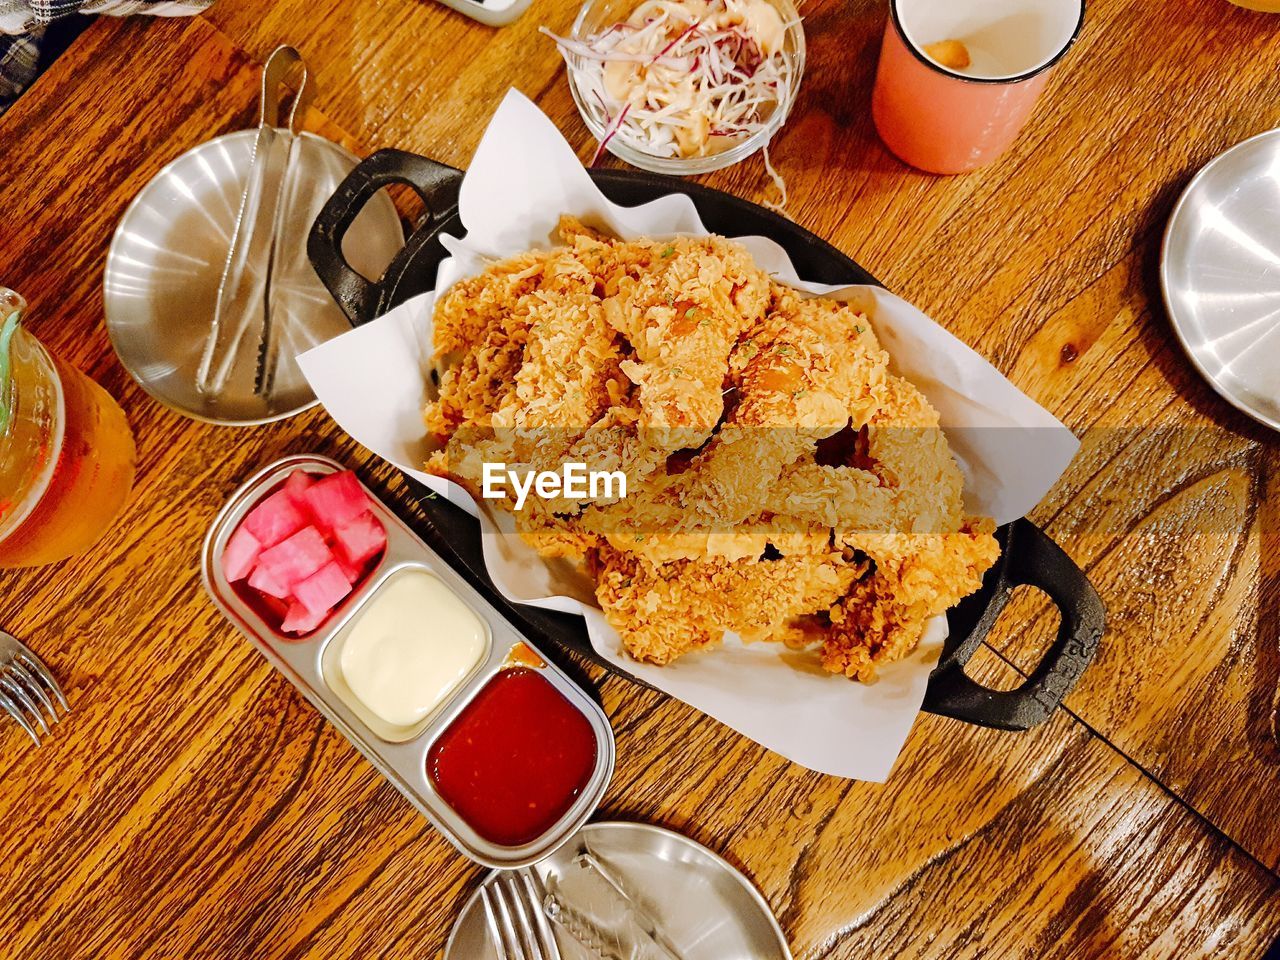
685	78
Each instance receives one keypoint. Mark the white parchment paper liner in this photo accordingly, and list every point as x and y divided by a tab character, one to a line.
373	382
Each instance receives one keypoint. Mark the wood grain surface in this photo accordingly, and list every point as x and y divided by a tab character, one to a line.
194	806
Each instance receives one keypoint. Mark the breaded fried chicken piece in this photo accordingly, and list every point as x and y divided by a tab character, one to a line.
682	304
917	576
566	379
795	373
747	541
541	369
479	343
819	361
913	459
615	443
849	498
663	611
906	480
525	345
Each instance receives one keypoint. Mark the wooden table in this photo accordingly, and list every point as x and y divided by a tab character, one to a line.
195	806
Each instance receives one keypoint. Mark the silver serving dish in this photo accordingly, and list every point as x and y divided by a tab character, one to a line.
403	763
704	907
166	259
1220	272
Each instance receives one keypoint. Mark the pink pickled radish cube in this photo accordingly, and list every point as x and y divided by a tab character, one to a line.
291	561
335	499
353	574
266	582
323	590
360	539
240	555
274	519
298	619
294	486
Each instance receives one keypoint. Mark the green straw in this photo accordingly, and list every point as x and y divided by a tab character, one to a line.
7	330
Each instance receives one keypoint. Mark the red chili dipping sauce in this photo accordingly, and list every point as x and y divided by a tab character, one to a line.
515	759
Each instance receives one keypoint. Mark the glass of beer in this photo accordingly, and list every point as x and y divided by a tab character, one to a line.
66	452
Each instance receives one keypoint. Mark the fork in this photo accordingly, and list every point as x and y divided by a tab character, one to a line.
514	914
25	689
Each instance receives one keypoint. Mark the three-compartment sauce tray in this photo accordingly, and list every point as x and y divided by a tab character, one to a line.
481	763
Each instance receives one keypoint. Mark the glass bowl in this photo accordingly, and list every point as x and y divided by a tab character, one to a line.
596	15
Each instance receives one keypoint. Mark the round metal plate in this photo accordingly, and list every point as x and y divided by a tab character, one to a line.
167	257
1220	272
704	906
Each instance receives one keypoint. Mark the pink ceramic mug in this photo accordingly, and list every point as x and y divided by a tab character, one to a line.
952	119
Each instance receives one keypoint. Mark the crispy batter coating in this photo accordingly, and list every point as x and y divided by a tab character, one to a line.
797	376
753	599
917	576
782	482
681	305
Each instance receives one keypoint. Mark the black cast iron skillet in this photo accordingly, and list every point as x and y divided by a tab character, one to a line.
1028	555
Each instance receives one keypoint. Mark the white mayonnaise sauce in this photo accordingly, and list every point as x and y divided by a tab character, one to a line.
409	647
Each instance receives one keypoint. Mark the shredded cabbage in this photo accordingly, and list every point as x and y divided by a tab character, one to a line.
684	78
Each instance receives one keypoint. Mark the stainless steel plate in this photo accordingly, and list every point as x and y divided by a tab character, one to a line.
1220	271
167	256
707	910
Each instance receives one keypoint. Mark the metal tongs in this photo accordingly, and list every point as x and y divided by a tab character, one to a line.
244	293
649	927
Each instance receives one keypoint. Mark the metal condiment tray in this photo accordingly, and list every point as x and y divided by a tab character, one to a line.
403	763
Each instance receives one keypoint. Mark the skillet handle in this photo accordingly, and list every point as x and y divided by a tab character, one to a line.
436	183
1034	560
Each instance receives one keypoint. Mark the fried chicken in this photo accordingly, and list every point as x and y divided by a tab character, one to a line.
782	483
711	596
818	368
681	305
916	576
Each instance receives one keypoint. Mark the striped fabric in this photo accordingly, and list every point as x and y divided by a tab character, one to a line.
23	24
